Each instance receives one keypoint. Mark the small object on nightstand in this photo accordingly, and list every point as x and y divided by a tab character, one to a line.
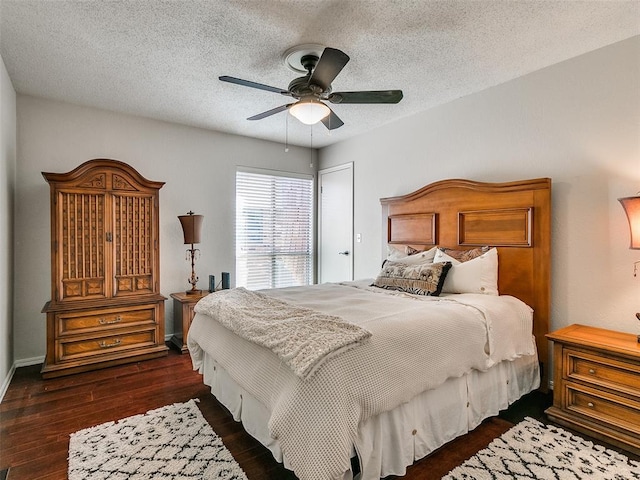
225	281
183	313
596	384
212	283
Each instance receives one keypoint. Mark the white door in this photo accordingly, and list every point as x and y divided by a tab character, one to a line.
336	224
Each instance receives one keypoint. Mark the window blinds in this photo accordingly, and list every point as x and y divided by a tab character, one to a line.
274	229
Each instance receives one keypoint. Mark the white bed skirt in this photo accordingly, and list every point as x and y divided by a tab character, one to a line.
389	442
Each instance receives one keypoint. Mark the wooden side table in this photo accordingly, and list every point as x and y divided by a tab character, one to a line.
596	389
183	304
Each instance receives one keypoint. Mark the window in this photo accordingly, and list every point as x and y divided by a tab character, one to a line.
274	229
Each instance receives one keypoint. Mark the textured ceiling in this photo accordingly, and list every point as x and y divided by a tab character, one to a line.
162	59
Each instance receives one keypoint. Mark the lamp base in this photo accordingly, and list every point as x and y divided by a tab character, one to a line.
193	292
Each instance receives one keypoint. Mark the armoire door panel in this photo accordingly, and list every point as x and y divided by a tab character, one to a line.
85	288
80	245
133	244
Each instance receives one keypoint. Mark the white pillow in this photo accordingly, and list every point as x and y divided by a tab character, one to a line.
479	275
415	259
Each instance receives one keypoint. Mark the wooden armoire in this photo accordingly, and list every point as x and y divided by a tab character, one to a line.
106	308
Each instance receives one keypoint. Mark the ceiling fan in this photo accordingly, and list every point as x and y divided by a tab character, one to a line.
313	89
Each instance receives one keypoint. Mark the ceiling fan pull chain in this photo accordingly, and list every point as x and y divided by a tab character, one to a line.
311	162
286	134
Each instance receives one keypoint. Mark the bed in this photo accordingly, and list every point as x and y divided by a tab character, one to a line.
398	386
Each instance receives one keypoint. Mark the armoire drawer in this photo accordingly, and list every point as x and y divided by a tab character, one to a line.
74	323
616	374
116	342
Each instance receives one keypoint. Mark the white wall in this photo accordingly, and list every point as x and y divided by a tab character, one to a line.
197	165
7	183
577	122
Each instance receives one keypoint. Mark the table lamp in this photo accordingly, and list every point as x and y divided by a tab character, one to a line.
631	207
192	227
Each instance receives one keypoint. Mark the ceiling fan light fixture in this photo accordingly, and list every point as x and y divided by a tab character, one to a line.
309	111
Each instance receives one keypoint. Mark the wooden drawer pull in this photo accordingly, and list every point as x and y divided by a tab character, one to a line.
110	345
104	321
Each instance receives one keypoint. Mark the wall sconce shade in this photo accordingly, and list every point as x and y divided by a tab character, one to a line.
631	207
191	227
309	111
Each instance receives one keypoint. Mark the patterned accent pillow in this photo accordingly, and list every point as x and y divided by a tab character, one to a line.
421	279
465	255
410	250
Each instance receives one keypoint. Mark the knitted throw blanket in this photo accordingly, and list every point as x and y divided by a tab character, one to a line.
303	338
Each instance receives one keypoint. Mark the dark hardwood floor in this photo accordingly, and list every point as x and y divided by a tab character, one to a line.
37	416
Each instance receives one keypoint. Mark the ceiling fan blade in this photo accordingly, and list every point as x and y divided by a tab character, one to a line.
260	86
328	67
273	111
373	96
332	121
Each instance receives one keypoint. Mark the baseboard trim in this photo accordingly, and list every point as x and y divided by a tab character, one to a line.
25	362
5	385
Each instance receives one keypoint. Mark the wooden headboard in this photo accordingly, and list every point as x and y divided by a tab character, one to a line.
515	217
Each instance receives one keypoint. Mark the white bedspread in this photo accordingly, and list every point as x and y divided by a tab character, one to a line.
416	344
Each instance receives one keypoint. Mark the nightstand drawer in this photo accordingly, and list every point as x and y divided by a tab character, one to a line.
610	409
612	373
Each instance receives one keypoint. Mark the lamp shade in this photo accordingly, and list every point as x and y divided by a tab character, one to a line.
309	111
191	227
631	207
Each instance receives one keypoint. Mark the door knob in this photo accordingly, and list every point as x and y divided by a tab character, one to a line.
346	252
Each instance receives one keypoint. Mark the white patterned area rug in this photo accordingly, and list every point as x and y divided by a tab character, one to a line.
532	450
173	442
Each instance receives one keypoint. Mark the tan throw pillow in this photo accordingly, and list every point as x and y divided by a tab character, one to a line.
465	255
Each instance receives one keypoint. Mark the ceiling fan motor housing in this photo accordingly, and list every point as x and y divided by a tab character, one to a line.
300	87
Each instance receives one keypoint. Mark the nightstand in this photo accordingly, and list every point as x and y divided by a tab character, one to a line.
183	304
596	389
